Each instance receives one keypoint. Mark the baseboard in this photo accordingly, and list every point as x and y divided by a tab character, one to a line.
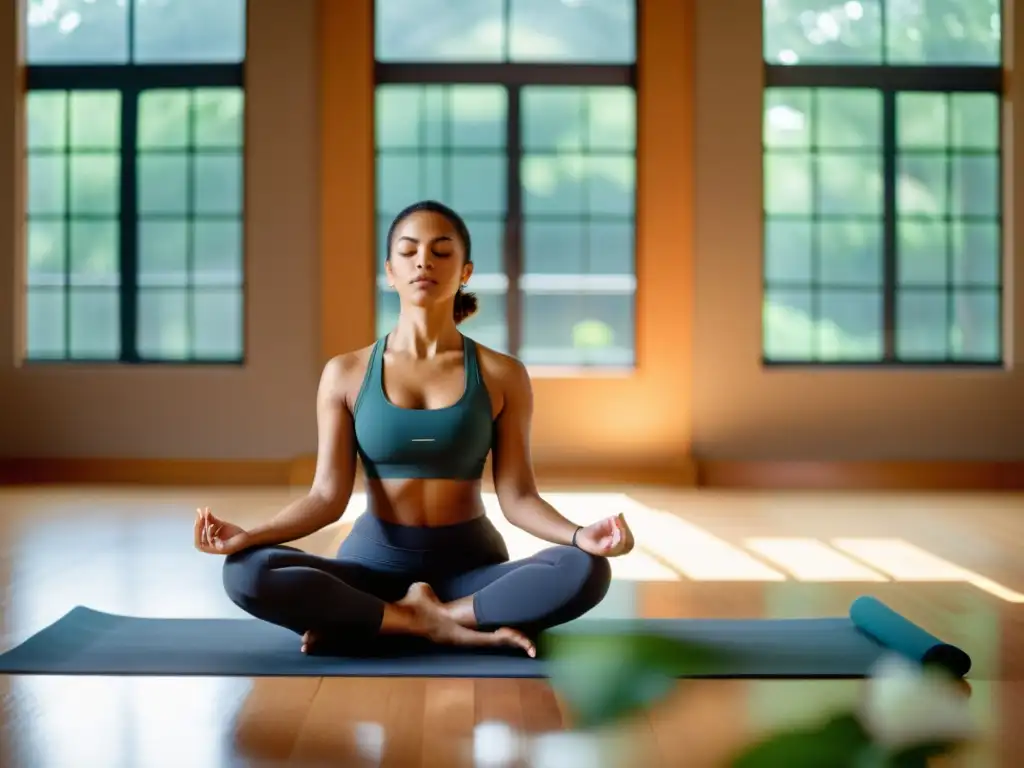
862	475
752	475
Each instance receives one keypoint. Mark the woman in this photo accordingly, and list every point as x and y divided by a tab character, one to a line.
421	408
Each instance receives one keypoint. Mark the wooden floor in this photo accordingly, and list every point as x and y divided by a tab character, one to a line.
953	563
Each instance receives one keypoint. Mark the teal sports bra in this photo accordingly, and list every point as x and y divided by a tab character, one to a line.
443	443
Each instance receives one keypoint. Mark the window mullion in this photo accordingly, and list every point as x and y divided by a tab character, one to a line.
514	223
129	229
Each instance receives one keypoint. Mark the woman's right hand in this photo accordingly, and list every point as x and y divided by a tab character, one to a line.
218	537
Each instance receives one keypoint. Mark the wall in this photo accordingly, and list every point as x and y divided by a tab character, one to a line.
699	388
262	411
744	412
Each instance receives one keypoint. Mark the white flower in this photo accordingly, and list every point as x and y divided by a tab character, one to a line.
907	706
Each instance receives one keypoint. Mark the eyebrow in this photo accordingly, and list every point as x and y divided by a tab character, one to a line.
440	239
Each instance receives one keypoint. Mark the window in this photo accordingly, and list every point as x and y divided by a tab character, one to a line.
521	115
134	164
883	182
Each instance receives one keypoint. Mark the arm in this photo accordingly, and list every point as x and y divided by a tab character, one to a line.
514	481
335	467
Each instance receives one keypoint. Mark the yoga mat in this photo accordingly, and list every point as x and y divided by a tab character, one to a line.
89	642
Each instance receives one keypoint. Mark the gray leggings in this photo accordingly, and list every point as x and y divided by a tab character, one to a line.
343	598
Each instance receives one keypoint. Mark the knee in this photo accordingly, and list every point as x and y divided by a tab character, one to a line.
592	572
245	575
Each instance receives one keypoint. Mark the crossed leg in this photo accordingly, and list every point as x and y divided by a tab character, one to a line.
552	587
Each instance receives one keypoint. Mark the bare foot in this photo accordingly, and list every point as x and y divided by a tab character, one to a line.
436	624
308	641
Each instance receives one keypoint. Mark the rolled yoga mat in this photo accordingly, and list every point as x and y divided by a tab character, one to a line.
89	642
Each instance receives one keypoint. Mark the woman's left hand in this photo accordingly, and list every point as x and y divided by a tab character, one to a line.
608	538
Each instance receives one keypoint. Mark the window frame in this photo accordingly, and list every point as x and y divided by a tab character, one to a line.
891	80
514	76
130	80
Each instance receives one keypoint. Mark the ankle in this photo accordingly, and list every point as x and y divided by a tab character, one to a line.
401	619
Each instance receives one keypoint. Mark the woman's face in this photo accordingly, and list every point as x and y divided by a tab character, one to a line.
427	262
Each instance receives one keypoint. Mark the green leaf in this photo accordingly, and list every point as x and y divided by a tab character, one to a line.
835	744
603	677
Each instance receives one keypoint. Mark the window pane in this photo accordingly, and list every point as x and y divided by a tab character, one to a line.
923	325
95	323
217	258
788	251
46	119
46	252
218	324
822	32
219	117
850	252
95	187
163	252
977	331
788	327
45	320
46	184
163	119
567	328
849	325
598	31
976	120
163	324
966	32
187	31
976	253
95	120
95	253
163	183
922	252
439	30
217	183
76	32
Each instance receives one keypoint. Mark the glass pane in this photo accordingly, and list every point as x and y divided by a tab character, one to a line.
922	326
163	324
488	236
574	247
944	33
163	119
219	116
46	184
95	323
567	328
822	32
850	252
922	248
439	30
975	185
788	327
76	32
163	252
163	183
922	185
95	184
598	31
977	255
217	253
95	253
848	118
787	184
397	116
218	183
478	116
46	252
922	120
850	325
977	122
45	323
190	31
217	323
45	119
788	251
977	331
95	120
850	184
561	184
787	118
477	183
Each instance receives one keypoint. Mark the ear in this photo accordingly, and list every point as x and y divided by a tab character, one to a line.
467	272
390	274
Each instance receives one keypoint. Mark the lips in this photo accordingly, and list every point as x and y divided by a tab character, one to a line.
422	280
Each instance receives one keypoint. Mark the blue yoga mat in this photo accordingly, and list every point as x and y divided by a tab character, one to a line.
89	642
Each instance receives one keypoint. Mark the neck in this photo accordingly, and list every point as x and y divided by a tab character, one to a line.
426	331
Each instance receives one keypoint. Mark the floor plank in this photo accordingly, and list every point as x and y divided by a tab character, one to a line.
954	563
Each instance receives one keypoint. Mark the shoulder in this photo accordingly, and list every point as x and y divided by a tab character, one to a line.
505	371
343	374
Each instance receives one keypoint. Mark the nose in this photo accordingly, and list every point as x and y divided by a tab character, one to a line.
423	259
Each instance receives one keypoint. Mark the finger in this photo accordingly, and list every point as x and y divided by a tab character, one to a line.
197	529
